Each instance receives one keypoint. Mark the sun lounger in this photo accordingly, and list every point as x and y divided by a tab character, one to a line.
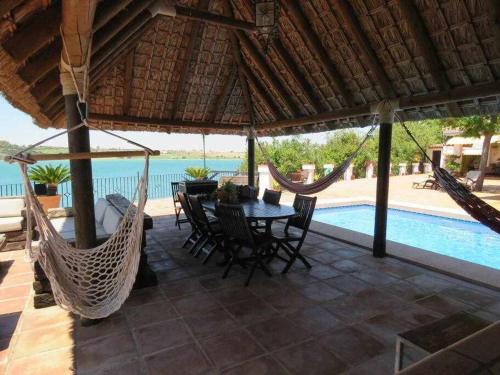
429	183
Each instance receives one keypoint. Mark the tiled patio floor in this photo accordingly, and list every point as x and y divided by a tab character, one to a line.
342	316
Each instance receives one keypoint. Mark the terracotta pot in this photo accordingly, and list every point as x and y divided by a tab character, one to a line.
51	189
49	201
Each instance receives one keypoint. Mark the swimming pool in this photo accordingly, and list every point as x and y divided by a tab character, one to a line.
460	239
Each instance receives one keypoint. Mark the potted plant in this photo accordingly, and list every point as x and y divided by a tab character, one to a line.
197	173
228	193
50	176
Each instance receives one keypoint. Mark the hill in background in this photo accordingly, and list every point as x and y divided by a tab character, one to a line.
7	148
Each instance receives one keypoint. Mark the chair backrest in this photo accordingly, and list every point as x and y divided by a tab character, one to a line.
473	175
198	213
305	209
234	223
185	206
272	196
175	190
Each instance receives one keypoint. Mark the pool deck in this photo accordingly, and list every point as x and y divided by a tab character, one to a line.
341	317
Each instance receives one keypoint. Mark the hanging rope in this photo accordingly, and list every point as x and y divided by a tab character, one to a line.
322	183
472	204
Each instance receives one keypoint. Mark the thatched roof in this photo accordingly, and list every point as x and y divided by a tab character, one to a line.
330	61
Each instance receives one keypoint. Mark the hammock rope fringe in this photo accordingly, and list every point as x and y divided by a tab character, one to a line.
470	203
95	282
323	182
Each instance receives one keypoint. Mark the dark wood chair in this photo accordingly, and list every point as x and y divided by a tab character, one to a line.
291	242
237	235
195	237
177	205
209	227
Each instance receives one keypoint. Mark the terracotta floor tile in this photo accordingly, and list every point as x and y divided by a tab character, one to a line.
443	305
210	323
349	252
231	348
470	296
259	366
315	320
150	313
348	266
382	364
56	362
400	271
348	284
230	296
374	277
18	279
195	303
277	332
43	339
113	325
12	305
350	309
140	297
430	283
323	272
162	335
104	352
6	346
129	368
288	301
325	257
182	287
183	360
310	358
296	279
15	291
406	290
46	317
250	311
319	292
382	301
352	345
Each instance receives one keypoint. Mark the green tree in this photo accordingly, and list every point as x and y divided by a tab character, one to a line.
477	126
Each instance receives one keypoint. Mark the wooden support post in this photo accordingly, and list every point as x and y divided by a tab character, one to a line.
251	158
81	177
386	114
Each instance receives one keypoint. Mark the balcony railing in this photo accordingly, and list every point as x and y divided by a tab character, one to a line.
159	186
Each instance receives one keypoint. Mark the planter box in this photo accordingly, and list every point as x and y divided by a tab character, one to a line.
198	187
49	201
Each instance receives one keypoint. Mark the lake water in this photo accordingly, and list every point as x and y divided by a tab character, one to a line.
9	173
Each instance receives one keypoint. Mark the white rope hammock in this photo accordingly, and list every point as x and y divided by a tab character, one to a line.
94	282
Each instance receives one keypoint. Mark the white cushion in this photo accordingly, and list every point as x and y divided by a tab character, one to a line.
65	226
111	220
11	224
100	209
11	207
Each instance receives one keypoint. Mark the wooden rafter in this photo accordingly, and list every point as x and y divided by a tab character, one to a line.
318	51
129	76
216	19
221	100
32	37
108	9
236	51
7	5
261	63
417	29
46	85
306	88
369	57
196	28
165	123
42	63
405	103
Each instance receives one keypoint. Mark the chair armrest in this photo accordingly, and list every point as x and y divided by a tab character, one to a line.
53	213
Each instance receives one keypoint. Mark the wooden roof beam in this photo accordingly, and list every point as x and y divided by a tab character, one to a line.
318	51
33	36
97	117
108	9
190	54
405	103
266	71
42	63
418	31
7	5
221	102
306	89
212	18
46	85
369	56
129	76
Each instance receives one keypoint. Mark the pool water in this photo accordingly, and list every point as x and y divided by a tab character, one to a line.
469	241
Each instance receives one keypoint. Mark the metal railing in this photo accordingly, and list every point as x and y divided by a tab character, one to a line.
159	186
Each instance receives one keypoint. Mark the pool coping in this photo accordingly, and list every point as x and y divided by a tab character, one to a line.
468	271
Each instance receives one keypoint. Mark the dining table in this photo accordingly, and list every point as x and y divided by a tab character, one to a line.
257	209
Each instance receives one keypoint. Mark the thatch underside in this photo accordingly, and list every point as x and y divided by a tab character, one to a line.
180	75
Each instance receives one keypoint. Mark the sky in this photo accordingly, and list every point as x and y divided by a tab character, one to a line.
18	128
